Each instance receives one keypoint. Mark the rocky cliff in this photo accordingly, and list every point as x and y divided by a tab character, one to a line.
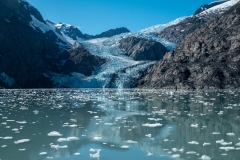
207	59
142	49
177	33
29	47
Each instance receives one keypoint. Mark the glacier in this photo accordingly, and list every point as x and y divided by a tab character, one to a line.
119	69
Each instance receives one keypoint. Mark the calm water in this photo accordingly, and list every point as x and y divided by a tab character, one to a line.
119	124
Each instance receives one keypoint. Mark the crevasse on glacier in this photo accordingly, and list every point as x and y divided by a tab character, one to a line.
119	69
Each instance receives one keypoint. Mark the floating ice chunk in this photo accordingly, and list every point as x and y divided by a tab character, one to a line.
230	134
227	148
97	138
166	140
7	137
23	149
149	153
73	125
125	146
175	155
224	154
21	141
130	141
108	124
21	122
191	152
55	134
96	155
15	129
57	146
35	111
204	157
206	144
77	154
148	135
95	150
226	143
194	125
152	125
193	142
73	138
68	139
3	146
174	149
237	144
73	120
42	153
220	141
216	133
49	157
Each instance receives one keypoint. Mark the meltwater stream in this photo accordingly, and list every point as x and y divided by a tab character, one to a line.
106	124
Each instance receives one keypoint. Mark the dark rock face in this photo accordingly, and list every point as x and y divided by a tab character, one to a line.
207	6
177	33
27	52
142	49
208	58
24	51
81	61
109	33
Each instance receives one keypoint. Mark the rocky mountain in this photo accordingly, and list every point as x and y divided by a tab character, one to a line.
207	6
142	49
30	48
177	33
72	32
108	33
208	58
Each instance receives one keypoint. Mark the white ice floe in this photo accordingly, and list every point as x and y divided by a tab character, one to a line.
94	150
21	141
206	144
152	125
230	134
176	155
191	152
43	153
216	133
204	157
68	139
125	146
220	141
237	144
130	141
149	153
55	134
7	137
226	143
193	142
23	149
77	154
58	147
97	138
194	125
227	148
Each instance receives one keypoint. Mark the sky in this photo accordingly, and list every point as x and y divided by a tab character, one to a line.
96	16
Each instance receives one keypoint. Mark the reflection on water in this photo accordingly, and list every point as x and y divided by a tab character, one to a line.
119	124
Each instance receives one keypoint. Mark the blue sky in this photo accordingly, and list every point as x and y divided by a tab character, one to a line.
96	16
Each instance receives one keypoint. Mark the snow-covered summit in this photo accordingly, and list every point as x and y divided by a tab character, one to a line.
218	9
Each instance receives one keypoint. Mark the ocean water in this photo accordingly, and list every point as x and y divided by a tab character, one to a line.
107	124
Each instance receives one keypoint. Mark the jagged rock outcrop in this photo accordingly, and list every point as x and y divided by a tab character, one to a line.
81	61
177	33
75	34
207	6
207	59
108	33
142	49
30	48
